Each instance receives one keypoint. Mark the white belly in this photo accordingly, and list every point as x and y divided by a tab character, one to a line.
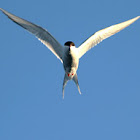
70	62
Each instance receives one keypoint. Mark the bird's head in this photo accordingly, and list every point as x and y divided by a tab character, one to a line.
69	44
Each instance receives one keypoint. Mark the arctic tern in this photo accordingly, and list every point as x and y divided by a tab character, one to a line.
69	55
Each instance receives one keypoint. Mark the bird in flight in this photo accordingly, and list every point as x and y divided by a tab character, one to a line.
69	55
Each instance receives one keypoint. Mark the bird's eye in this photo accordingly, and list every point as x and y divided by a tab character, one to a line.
72	44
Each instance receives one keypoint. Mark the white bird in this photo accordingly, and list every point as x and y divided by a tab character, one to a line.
69	55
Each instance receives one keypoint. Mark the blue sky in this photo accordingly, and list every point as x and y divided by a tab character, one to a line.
31	104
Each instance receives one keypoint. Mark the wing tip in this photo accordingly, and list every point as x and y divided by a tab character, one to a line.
1	9
137	17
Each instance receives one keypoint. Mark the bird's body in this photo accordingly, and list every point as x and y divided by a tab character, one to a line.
69	55
70	61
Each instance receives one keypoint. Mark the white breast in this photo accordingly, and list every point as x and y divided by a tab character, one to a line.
70	61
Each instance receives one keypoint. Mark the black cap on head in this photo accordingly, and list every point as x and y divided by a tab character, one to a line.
69	43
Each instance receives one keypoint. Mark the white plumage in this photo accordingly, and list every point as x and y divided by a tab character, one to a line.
69	55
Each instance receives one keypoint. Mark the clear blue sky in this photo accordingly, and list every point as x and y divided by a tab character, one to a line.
31	104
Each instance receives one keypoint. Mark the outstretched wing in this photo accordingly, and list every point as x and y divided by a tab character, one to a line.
44	36
103	34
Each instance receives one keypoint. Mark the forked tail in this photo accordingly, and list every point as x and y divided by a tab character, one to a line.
75	79
64	83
